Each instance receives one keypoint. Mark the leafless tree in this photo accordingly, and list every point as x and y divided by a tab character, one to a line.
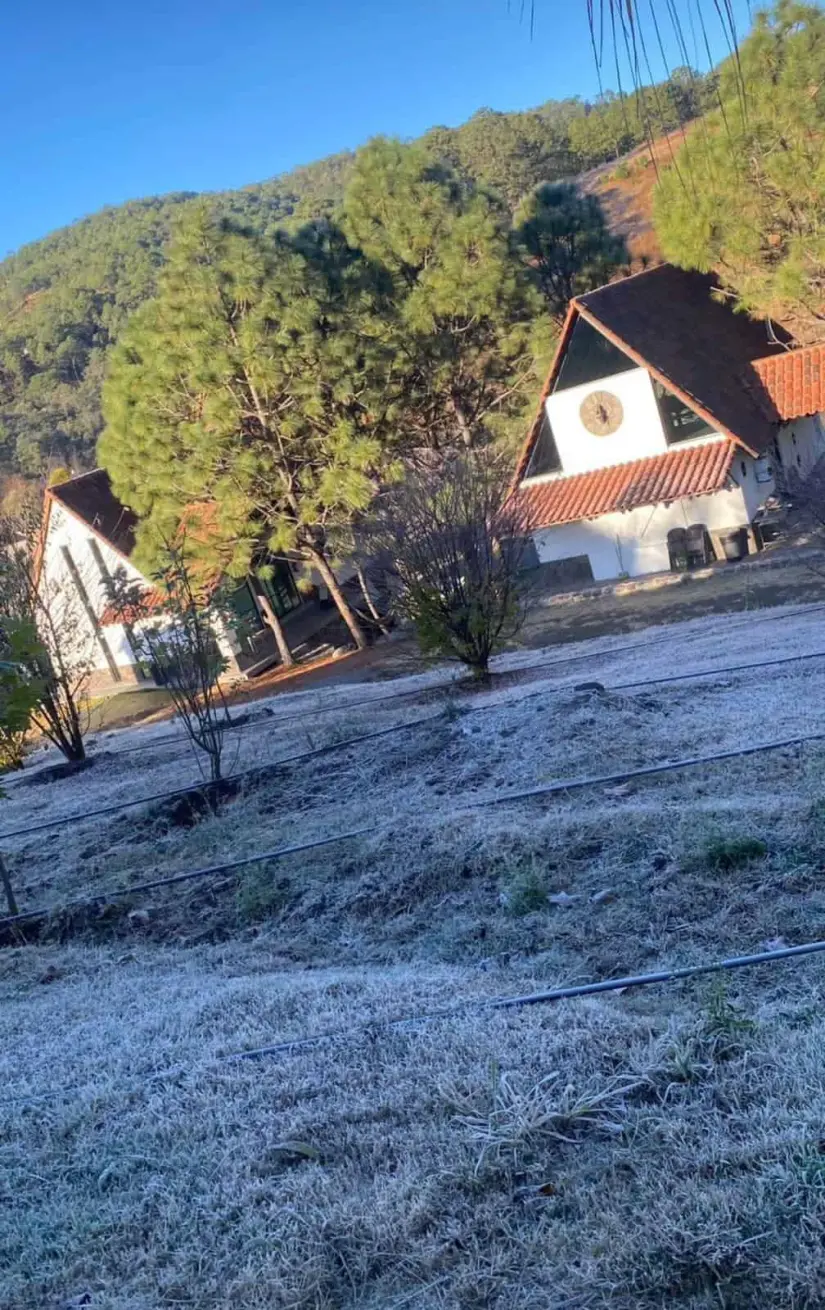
173	628
452	543
61	661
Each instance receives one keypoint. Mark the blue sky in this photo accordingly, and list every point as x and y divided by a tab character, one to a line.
104	100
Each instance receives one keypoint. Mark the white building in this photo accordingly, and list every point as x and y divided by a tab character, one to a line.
87	537
661	430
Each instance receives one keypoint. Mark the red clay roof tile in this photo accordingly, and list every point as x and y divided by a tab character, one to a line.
795	381
693	471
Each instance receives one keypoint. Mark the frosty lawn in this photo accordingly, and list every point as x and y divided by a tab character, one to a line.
640	1150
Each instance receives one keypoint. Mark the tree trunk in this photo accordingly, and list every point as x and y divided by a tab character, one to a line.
362	578
463	424
287	658
11	900
331	582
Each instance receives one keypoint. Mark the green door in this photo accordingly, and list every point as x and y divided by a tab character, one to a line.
280	589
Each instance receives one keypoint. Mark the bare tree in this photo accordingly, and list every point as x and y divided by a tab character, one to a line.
60	662
174	630
453	544
18	697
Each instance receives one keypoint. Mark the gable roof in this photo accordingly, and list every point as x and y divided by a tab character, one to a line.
681	472
90	498
795	381
667	320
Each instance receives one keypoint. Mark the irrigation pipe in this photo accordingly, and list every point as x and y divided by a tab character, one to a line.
275	720
399	727
704	673
231	777
492	1003
549	789
126	894
538	998
649	771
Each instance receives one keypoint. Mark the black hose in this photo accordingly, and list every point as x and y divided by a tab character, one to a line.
549	789
204	786
492	1003
650	770
128	892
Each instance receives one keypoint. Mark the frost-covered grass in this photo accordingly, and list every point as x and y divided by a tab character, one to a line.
646	1149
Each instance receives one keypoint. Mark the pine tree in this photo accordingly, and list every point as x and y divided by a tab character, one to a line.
566	243
746	197
458	309
236	399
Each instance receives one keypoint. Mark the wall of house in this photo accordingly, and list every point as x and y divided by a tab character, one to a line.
641	433
755	479
801	444
635	542
58	587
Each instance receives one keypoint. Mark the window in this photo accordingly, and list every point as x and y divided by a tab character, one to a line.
545	456
679	422
589	356
245	610
279	588
743	466
793	438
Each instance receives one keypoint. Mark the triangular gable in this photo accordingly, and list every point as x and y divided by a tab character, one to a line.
669	383
119	543
668	321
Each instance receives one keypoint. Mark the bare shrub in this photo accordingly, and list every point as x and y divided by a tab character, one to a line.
60	660
174	630
453	544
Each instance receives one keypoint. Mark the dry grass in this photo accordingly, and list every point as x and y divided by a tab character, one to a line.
646	1149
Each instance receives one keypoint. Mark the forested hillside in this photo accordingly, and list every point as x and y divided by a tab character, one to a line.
64	300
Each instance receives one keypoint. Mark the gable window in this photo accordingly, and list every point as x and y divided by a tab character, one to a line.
545	456
589	356
743	466
679	421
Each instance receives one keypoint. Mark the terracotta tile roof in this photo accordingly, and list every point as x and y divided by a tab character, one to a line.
90	498
692	471
795	381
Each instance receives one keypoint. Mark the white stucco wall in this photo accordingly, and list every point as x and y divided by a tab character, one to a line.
754	477
635	542
801	444
641	432
58	586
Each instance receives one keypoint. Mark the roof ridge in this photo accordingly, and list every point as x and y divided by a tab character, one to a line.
621	281
78	477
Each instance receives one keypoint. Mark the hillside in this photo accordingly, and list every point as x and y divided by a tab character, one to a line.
64	299
625	191
396	1144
